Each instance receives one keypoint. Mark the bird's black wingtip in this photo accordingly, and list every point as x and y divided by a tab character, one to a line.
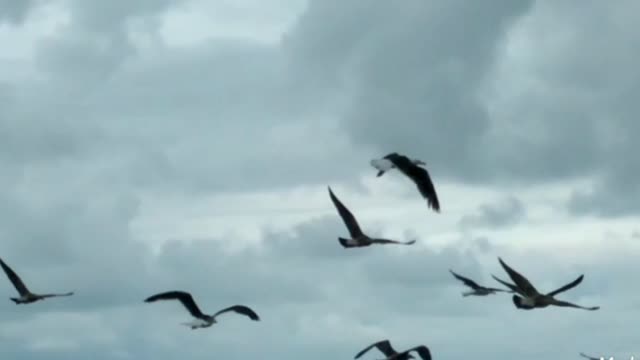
343	242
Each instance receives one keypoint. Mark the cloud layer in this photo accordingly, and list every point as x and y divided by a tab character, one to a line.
143	151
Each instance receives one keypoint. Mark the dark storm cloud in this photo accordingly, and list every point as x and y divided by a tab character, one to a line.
412	73
506	212
584	105
411	77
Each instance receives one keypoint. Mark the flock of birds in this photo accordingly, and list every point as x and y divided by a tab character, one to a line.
526	296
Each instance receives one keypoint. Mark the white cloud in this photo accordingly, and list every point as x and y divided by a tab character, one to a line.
197	22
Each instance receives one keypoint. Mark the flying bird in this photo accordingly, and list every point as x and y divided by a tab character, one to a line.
530	298
391	354
384	164
476	289
358	238
201	320
590	357
26	296
413	170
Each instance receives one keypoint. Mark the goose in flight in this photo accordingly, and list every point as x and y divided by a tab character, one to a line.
413	170
358	238
476	289
26	296
391	354
530	298
201	320
590	357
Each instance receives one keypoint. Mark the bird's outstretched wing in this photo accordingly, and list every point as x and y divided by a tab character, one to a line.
510	286
346	215
387	241
521	282
566	287
498	290
383	345
240	309
568	304
14	278
422	350
420	177
589	357
184	297
470	283
57	295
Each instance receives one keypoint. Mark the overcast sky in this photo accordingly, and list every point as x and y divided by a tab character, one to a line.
153	145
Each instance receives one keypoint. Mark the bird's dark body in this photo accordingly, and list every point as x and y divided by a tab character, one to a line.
517	301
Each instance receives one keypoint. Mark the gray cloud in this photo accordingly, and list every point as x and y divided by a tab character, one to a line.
15	12
90	250
591	97
327	305
107	16
230	104
413	91
100	122
506	212
219	91
407	89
